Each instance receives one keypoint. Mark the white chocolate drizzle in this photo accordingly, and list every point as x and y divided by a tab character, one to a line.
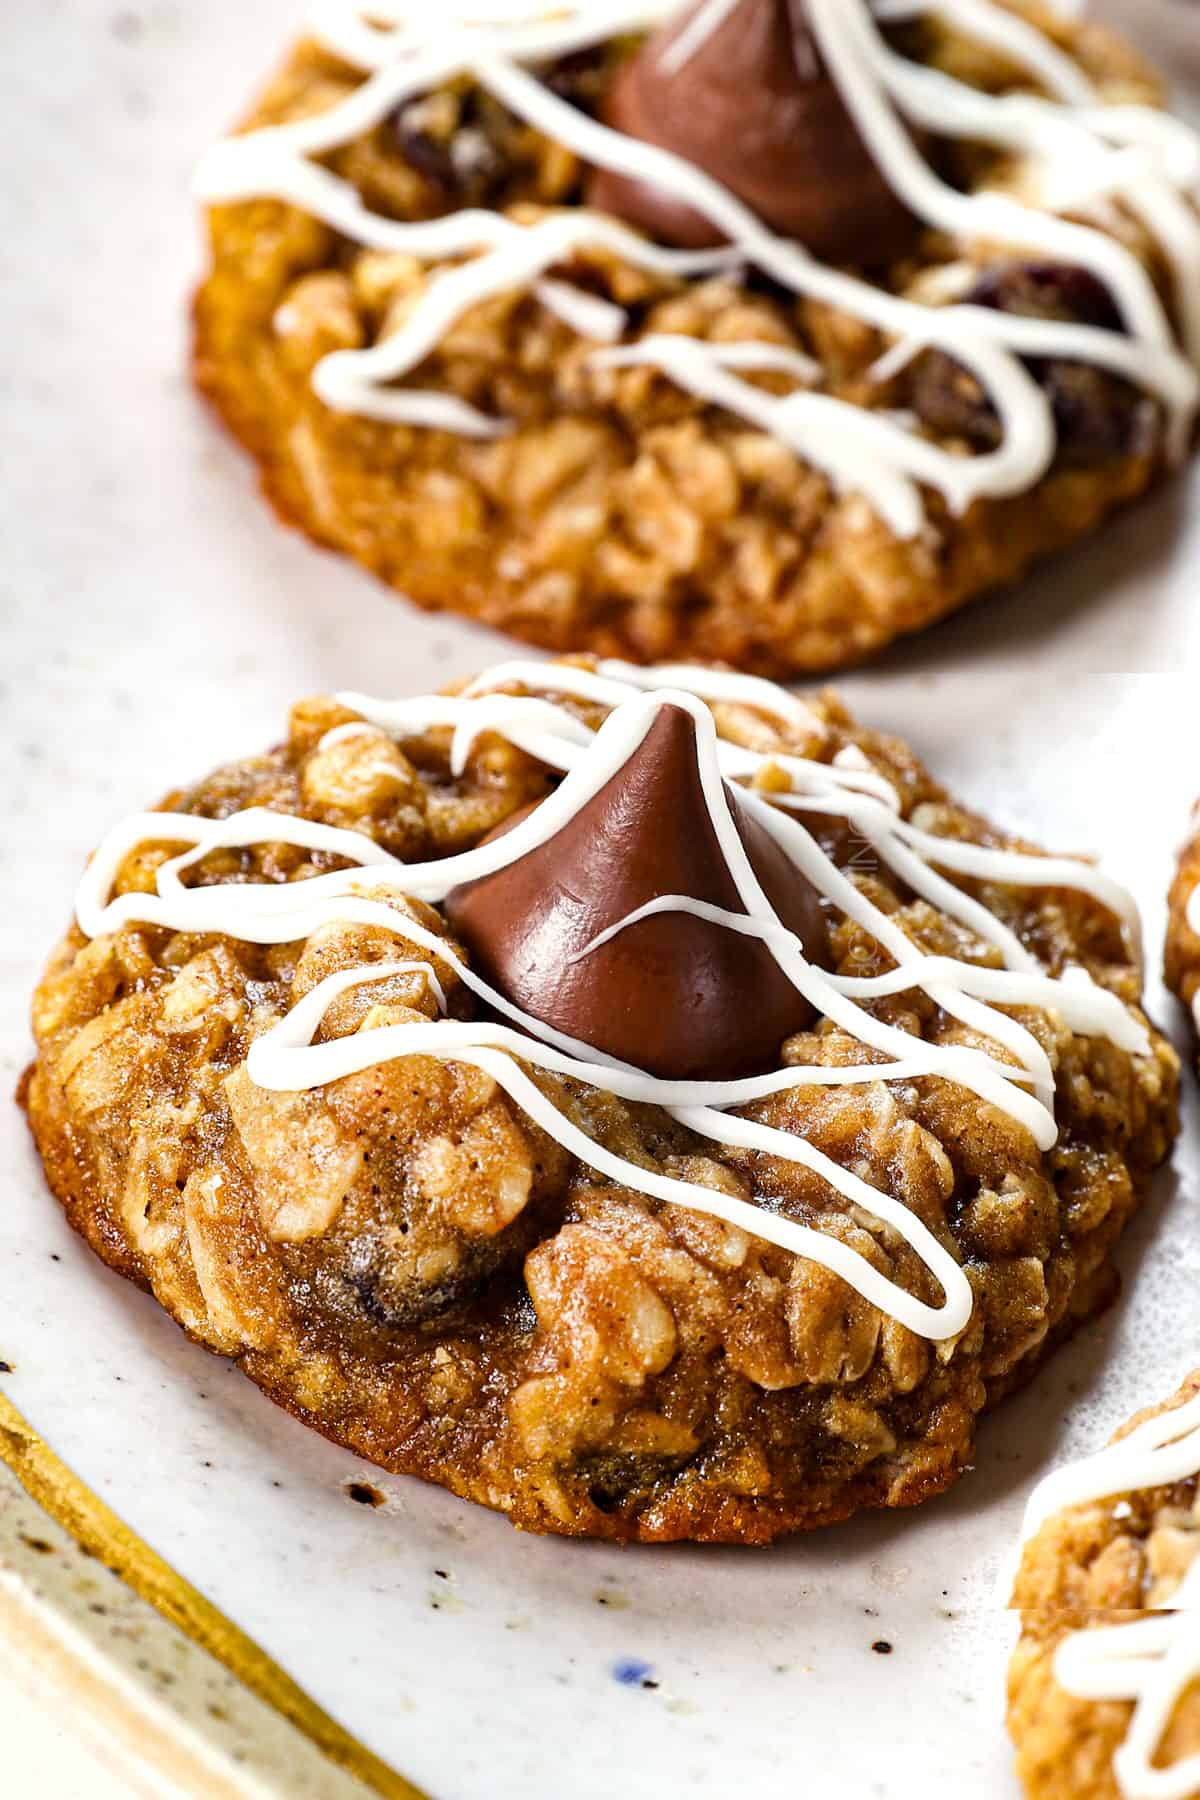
1151	1661
1005	1065
1079	155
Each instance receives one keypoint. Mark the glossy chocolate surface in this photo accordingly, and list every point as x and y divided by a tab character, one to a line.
675	995
754	108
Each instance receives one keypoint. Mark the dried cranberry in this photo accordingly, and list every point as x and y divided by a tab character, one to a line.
1098	416
428	155
464	164
1047	291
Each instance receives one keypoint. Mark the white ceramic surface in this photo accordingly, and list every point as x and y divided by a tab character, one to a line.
155	622
100	1696
35	1741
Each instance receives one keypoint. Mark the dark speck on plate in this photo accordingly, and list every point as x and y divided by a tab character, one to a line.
881	1647
365	1494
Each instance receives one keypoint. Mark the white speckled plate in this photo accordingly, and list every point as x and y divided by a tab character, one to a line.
146	1710
156	621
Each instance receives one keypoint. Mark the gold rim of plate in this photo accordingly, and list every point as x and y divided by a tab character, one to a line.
98	1531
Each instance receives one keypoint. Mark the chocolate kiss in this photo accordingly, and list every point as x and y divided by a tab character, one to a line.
673	994
754	108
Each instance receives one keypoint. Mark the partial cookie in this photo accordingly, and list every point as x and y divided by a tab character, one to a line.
1183	926
645	1103
1104	1685
473	345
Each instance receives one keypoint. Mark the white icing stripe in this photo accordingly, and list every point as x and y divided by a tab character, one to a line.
1156	1453
843	790
1147	162
820	787
282	913
712	14
536	33
614	679
285	1058
800	420
1019	42
1175	145
1019	1082
867	73
1151	1661
1084	1007
585	313
1082	171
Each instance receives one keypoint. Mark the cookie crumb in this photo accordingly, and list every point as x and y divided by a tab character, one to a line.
366	1495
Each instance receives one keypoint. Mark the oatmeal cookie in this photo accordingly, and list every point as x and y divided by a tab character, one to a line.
472	344
1108	1588
641	1101
1183	925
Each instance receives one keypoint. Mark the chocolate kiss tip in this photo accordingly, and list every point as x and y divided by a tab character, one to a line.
674	995
753	107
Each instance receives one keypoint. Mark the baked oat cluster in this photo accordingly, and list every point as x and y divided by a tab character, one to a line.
1183	926
518	384
1107	1586
271	1088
